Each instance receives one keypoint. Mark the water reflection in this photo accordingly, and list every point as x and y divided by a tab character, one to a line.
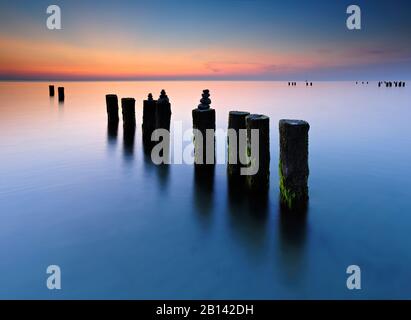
129	132
112	133
247	214
292	226
204	188
162	170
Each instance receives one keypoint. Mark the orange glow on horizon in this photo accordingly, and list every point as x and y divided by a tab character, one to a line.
42	57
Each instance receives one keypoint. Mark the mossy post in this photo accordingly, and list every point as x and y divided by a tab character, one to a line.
149	119
163	112
236	122
61	93
51	91
293	166
128	106
204	132
112	108
260	180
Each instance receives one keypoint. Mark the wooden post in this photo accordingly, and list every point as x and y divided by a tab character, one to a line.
260	181
163	112
128	106
61	93
112	107
236	122
204	133
293	166
51	91
149	119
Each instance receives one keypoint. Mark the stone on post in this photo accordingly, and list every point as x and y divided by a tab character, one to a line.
293	166
236	122
51	91
163	112
258	179
128	106
149	119
204	132
112	108
61	93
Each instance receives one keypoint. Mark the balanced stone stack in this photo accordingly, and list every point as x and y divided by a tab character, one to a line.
204	132
51	91
61	93
259	163
237	148
149	119
163	112
293	166
112	108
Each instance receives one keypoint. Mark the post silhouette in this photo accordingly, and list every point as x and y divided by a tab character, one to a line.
204	132
293	166
258	182
112	108
236	122
61	93
163	112
128	106
149	119
51	91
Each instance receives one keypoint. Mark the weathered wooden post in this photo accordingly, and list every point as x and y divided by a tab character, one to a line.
149	119
236	122
258	179
61	93
204	132
163	112
128	106
293	166
51	91
112	108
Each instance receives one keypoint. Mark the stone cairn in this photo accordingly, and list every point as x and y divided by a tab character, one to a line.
149	120
204	133
293	166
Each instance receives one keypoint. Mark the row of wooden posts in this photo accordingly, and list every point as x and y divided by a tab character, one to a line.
60	91
293	166
307	84
390	84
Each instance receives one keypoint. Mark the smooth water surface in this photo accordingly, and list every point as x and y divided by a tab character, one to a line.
74	194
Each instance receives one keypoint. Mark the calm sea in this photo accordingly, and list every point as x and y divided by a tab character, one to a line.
79	196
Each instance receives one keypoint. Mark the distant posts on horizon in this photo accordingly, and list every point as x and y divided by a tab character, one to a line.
204	125
163	112
260	181
293	165
51	91
112	108
149	119
236	127
61	93
128	106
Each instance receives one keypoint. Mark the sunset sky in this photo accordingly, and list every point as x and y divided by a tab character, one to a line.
209	39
